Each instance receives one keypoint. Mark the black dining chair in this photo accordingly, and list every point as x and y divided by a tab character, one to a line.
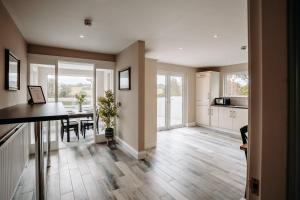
244	132
73	125
86	124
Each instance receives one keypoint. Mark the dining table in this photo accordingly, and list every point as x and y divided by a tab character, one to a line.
77	114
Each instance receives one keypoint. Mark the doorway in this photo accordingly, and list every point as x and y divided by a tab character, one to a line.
170	101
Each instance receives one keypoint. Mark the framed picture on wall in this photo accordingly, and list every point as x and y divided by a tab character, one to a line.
12	71
125	79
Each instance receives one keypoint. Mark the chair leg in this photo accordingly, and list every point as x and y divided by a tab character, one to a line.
84	129
77	133
62	133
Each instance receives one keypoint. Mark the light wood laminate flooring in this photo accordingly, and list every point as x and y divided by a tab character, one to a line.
188	163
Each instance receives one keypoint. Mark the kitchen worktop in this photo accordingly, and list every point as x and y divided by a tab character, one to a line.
231	106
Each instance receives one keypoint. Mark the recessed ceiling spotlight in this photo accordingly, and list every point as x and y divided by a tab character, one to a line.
81	36
215	36
180	48
244	47
88	21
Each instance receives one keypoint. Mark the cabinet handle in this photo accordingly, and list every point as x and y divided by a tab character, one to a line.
230	115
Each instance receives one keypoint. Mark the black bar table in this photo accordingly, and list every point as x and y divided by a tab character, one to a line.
37	113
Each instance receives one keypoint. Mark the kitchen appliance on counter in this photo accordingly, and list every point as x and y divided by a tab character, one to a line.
224	101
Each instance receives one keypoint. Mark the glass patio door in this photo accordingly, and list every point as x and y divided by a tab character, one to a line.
44	75
169	101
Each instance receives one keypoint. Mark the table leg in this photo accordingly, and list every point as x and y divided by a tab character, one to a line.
68	130
39	162
49	145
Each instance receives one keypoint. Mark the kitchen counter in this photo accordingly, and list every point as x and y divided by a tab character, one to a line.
231	106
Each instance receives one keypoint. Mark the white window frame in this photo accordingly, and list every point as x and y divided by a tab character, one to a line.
225	94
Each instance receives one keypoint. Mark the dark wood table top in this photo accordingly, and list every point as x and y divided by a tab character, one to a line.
22	113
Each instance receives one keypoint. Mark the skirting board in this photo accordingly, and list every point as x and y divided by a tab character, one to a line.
190	124
126	148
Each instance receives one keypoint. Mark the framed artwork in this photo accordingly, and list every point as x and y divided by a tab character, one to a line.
12	71
125	79
36	94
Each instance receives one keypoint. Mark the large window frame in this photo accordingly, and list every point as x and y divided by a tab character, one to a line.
54	60
227	93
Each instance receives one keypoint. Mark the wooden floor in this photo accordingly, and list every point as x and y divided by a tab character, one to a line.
188	163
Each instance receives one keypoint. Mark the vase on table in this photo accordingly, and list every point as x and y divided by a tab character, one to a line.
80	107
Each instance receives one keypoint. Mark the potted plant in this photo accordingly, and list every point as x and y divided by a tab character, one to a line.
81	98
108	111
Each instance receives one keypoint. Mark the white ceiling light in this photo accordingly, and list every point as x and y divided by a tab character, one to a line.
81	36
180	48
216	36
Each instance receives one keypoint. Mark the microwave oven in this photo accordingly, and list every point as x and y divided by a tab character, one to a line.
222	101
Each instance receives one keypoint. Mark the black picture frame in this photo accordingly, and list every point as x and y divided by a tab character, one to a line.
12	71
36	94
125	74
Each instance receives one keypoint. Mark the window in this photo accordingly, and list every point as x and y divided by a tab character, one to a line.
236	84
74	78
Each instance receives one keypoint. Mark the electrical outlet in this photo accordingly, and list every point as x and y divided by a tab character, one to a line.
254	186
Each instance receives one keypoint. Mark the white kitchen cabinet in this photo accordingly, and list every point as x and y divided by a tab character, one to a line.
214	116
232	118
225	118
240	118
207	89
202	115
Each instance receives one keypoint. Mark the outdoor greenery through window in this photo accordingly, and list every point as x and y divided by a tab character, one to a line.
236	84
74	78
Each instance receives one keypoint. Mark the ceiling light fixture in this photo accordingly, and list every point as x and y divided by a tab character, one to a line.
180	48
216	36
244	47
81	36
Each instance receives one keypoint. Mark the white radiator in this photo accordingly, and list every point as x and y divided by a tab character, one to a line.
13	159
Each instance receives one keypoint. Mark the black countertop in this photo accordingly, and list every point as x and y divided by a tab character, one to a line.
231	106
23	113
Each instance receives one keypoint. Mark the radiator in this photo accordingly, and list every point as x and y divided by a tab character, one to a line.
13	159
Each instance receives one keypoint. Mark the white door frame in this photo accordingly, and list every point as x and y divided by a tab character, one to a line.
168	74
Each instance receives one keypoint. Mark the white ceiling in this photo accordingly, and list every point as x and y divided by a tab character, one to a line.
165	25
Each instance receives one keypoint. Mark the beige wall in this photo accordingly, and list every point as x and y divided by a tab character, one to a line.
151	103
190	89
130	126
11	38
268	100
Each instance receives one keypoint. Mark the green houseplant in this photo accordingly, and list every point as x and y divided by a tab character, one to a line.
81	98
108	111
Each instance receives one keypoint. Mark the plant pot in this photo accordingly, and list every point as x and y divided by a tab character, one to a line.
80	107
109	132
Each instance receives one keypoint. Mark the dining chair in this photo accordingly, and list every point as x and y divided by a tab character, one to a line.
244	132
73	125
86	124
